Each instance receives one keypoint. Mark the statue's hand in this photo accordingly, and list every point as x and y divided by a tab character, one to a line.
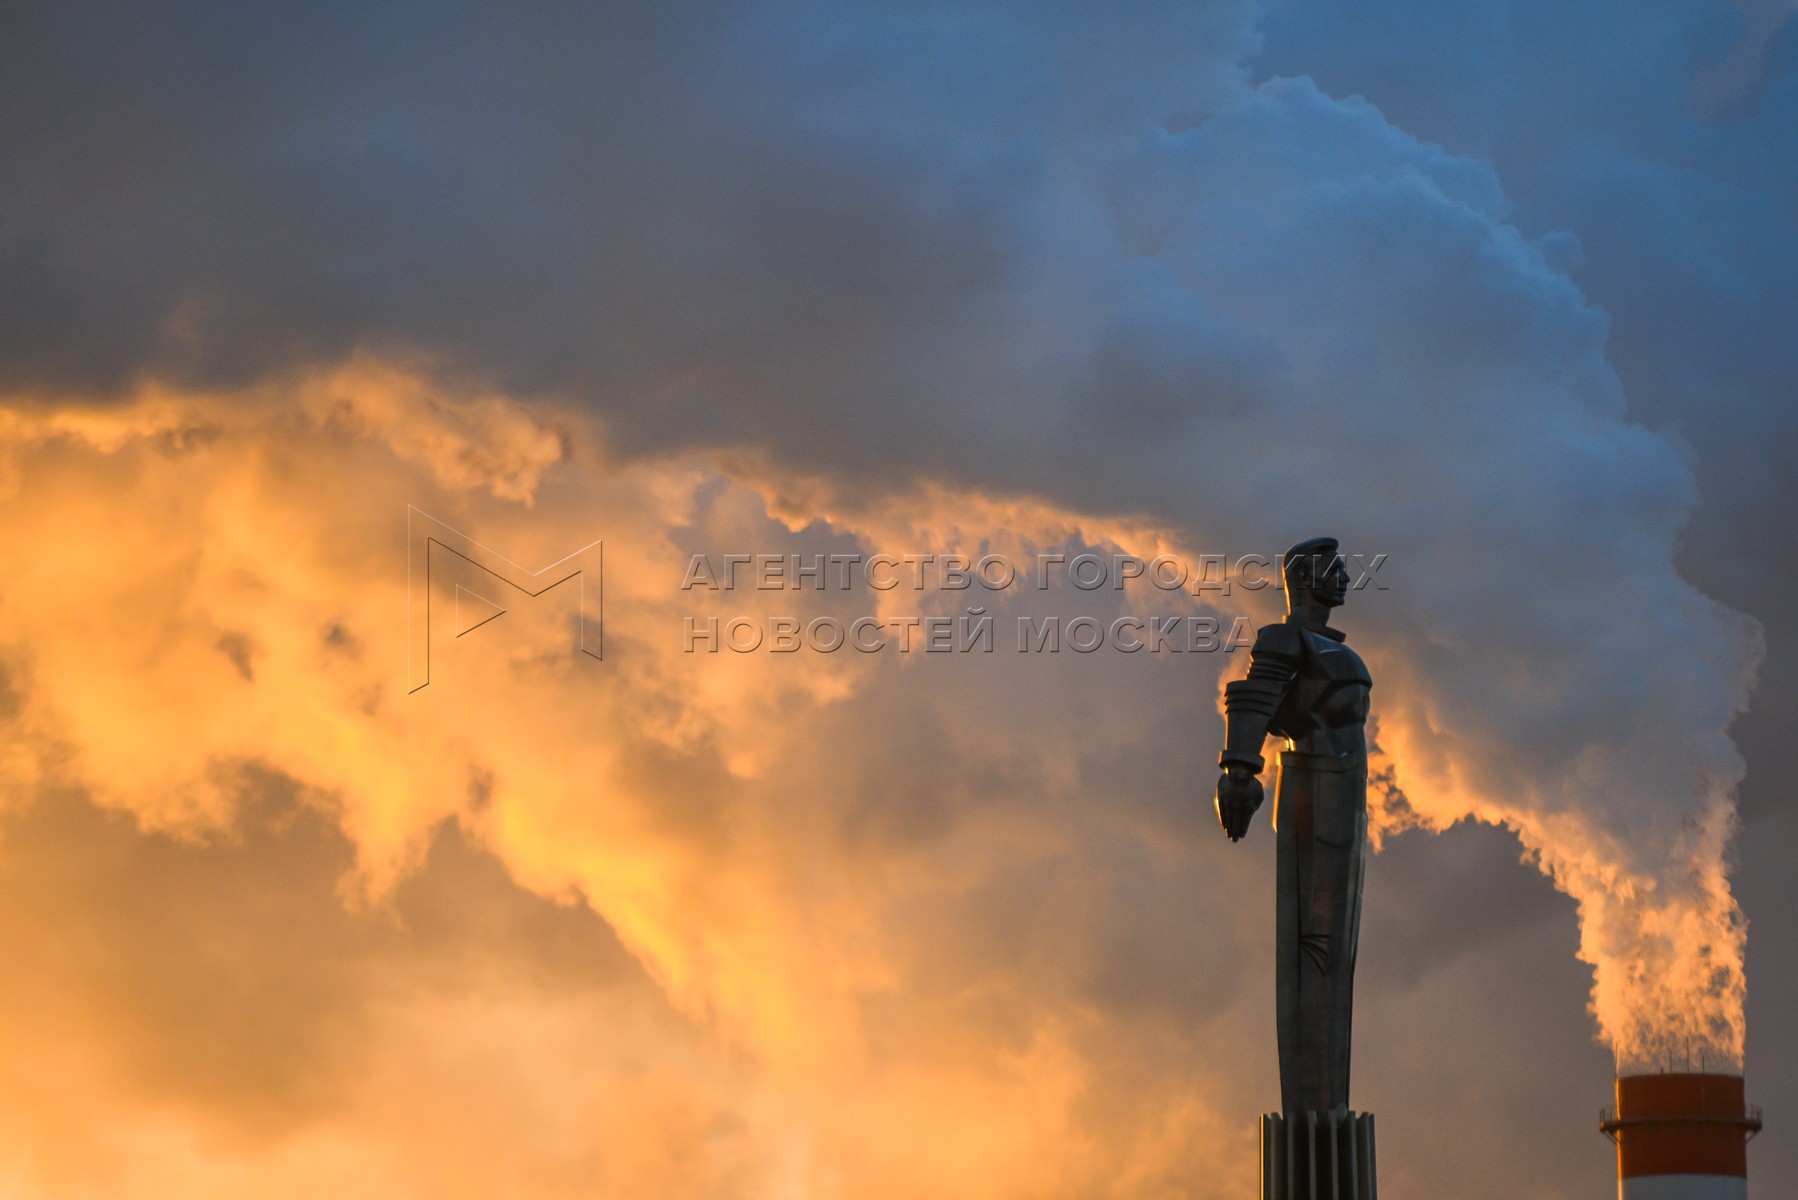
1238	796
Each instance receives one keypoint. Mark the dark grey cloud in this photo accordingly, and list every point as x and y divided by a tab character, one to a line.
569	198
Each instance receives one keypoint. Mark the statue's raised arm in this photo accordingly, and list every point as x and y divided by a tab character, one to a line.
1249	708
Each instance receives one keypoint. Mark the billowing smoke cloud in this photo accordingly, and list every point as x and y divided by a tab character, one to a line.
830	883
1316	321
907	281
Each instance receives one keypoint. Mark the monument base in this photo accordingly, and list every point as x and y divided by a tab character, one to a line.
1317	1156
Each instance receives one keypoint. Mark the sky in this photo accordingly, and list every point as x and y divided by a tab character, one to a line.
1500	292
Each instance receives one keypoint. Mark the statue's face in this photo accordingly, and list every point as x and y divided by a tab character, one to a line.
1332	586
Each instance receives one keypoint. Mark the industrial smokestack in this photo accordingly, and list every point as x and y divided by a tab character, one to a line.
1681	1136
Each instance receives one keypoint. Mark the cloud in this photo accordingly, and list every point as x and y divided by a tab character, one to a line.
837	954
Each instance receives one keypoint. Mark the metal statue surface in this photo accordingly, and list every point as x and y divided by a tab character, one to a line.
1306	686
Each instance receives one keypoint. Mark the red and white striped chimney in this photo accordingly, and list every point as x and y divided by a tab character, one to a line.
1681	1137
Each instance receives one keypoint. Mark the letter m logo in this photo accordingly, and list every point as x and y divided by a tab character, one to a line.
460	576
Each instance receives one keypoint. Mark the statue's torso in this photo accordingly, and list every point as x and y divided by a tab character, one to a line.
1324	712
1320	817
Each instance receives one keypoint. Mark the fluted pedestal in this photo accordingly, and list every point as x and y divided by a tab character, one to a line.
1317	1156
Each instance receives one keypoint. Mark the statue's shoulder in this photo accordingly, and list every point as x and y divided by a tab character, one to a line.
1282	641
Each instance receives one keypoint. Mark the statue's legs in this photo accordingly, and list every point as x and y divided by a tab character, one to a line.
1320	819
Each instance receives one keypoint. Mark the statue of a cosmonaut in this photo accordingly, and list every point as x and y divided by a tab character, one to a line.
1306	686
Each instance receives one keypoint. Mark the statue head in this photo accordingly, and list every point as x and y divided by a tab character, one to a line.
1314	575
